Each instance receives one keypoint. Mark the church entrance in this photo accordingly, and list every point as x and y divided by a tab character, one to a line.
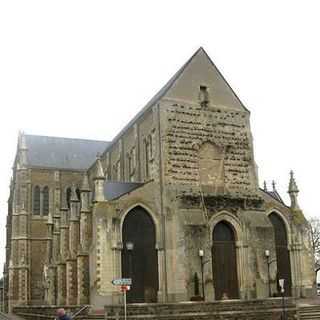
282	252
224	263
139	256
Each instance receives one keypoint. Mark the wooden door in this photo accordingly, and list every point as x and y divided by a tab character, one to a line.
141	263
282	252
224	262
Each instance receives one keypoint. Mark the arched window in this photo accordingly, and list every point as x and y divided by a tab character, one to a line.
68	195
36	200
45	201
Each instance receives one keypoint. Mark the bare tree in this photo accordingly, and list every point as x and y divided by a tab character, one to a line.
314	224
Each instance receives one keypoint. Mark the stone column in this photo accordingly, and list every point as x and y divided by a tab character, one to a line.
49	237
295	259
23	284
61	282
71	280
64	234
82	277
11	287
51	299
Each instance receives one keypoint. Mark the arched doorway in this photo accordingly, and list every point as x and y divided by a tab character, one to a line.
224	262
282	252
139	256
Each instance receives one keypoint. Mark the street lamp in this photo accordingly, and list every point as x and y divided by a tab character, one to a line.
130	246
267	254
201	254
281	284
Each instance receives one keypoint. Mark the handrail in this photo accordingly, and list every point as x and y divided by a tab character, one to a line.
79	311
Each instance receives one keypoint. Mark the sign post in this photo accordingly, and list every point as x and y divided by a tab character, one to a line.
124	284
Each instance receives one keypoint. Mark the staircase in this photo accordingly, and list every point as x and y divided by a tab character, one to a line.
309	312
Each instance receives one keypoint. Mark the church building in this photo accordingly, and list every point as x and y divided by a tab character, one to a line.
172	202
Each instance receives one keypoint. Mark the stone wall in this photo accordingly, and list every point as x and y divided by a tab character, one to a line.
214	139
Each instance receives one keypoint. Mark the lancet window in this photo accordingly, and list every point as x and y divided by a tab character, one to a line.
40	201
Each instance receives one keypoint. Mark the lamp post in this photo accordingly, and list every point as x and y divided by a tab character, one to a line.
201	254
130	246
267	254
281	284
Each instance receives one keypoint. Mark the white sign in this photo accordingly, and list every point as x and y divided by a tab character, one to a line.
122	282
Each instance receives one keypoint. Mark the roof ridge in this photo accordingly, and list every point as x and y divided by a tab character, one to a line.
66	138
155	98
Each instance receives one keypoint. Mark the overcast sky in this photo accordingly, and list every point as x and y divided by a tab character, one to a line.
84	68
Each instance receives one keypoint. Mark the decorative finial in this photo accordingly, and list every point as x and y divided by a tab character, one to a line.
22	141
293	191
22	149
265	186
85	183
99	172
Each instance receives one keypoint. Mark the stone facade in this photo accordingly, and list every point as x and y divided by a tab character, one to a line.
186	161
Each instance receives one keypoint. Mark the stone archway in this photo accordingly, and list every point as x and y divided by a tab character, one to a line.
141	262
224	262
282	252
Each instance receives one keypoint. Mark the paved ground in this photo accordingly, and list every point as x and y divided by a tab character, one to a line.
309	302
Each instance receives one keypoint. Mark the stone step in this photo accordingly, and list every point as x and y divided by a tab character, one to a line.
309	312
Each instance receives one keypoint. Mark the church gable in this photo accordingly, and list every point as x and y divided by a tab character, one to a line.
208	140
199	79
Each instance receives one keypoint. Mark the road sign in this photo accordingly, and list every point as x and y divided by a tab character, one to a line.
125	288
122	282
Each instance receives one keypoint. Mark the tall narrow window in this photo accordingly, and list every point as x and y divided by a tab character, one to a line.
119	170
68	196
131	164
147	158
36	200
78	194
45	201
204	96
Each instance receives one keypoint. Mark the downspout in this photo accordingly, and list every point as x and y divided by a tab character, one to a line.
162	210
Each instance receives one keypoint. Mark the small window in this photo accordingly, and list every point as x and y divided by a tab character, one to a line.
204	96
131	164
45	201
36	200
78	194
68	196
147	159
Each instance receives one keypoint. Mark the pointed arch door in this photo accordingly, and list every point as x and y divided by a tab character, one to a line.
282	252
224	262
139	256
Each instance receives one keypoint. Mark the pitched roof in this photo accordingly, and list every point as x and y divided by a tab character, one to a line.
113	190
161	93
274	194
62	153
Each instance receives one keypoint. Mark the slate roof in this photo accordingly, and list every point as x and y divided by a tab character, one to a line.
113	190
62	153
274	194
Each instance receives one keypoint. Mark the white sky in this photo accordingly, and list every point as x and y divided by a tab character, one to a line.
85	68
